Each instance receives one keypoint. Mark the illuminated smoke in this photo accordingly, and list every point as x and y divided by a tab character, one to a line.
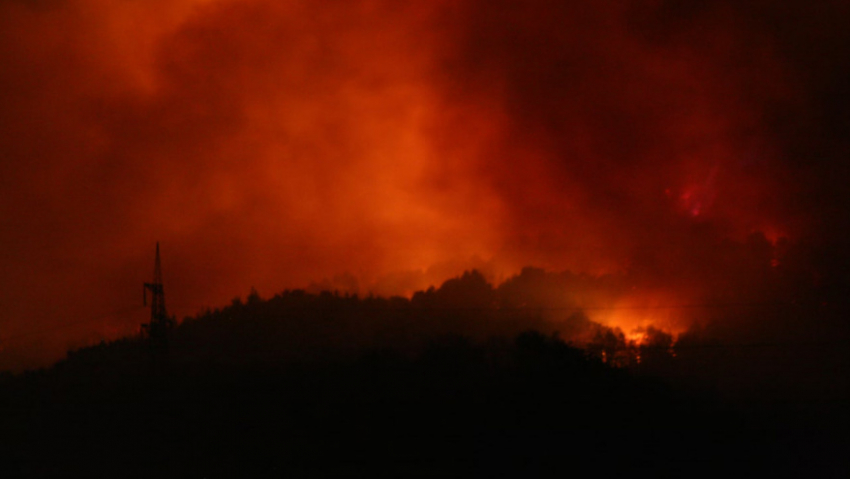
276	144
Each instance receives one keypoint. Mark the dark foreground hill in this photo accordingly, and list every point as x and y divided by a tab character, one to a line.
321	385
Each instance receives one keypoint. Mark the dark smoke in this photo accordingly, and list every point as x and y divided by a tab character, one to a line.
682	145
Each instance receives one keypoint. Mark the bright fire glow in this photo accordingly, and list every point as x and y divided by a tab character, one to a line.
636	336
633	314
278	143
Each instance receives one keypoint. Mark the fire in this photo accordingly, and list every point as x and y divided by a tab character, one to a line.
639	314
278	143
634	322
636	337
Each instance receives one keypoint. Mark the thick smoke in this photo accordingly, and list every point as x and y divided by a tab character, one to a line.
393	145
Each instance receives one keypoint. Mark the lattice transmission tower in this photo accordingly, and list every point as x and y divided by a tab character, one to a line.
160	324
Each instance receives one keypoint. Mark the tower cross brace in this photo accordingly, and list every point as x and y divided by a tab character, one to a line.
160	323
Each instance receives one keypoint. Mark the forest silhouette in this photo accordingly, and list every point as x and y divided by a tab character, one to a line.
686	162
464	379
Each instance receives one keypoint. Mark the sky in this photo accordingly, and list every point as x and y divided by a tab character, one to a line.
384	146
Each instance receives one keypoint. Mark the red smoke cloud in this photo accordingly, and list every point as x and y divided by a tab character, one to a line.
278	143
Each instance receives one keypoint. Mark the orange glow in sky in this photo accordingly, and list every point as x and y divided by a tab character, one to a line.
379	146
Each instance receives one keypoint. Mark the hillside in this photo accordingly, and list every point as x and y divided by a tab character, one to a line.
313	385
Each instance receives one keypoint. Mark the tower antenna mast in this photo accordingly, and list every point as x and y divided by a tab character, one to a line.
160	323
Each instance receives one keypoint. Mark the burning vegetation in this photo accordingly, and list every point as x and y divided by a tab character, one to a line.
542	207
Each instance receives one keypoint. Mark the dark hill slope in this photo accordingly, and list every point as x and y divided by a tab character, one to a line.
327	385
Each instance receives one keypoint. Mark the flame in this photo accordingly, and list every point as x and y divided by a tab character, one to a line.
636	336
635	322
636	313
278	143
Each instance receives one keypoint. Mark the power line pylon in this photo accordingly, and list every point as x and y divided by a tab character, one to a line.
157	329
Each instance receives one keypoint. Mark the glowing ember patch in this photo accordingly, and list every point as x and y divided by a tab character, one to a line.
637	336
